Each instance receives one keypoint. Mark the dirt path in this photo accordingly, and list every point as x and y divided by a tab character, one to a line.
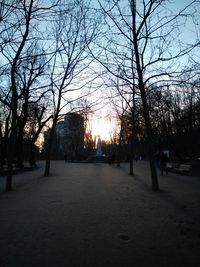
97	215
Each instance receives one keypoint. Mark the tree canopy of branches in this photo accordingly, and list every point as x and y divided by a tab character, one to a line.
72	26
20	69
144	40
44	58
52	51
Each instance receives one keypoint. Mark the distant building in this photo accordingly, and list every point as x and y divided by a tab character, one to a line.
69	138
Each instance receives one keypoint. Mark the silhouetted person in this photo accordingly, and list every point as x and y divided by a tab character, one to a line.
65	158
112	159
157	156
163	163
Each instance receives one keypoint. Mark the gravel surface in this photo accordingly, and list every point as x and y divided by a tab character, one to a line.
98	215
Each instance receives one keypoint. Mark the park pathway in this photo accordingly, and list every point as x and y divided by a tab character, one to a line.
98	215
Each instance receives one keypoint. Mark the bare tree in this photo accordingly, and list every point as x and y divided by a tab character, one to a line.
19	21
123	100
174	112
72	26
144	38
14	97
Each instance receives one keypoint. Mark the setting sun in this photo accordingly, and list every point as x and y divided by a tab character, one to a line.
102	127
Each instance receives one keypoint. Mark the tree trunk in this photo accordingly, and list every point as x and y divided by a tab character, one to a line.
154	177
47	166
19	138
150	140
9	177
11	149
48	158
131	165
48	152
14	102
131	155
119	148
132	129
32	159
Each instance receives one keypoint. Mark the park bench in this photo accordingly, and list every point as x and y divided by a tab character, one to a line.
169	166
183	168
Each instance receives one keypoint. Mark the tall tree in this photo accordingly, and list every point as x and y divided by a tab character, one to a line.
146	49
72	28
19	21
14	95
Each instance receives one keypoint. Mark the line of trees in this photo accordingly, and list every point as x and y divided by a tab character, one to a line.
143	47
44	57
52	51
175	117
23	94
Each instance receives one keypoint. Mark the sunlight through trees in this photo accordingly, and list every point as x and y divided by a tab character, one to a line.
130	68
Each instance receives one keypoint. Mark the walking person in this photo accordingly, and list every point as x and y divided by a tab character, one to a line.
163	163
